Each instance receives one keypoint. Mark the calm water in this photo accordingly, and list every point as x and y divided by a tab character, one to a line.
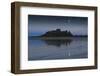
47	49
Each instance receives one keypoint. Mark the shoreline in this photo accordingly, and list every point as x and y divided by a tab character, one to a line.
56	37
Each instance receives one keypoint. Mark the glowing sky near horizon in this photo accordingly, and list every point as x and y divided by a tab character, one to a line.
39	24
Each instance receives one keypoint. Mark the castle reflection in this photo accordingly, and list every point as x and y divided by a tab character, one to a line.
58	42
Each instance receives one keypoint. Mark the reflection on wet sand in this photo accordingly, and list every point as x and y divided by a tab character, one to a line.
57	48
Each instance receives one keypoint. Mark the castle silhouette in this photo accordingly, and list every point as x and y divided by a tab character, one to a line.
57	33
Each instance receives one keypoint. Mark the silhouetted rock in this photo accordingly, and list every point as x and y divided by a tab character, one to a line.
57	33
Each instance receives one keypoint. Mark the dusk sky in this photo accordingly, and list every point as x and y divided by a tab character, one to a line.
39	24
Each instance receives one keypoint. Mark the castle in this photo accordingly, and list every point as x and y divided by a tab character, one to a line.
57	33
